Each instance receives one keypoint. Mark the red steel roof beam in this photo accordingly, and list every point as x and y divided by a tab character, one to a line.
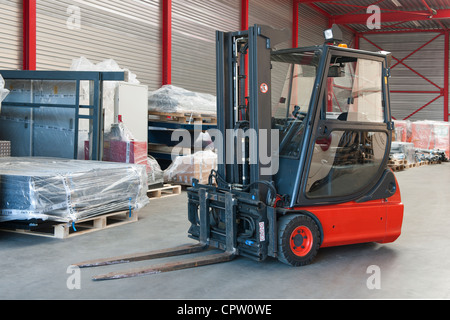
432	12
317	1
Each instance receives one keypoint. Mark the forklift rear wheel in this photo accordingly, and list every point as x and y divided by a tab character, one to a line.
298	240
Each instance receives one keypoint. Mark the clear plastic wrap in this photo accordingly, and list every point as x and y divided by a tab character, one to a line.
154	173
195	166
68	190
3	91
109	87
402	130
403	151
441	132
431	135
120	146
172	99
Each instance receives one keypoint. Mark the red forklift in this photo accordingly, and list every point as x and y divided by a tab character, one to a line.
302	158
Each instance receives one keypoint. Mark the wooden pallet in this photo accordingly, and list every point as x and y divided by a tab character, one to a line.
167	191
185	117
397	165
80	227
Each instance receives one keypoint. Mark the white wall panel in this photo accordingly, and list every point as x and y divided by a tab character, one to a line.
127	31
311	25
194	25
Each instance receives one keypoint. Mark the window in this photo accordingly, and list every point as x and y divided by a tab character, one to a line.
293	86
355	90
345	162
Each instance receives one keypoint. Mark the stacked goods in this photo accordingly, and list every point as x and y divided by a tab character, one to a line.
403	151
155	175
419	142
3	91
431	135
120	146
422	134
68	190
195	166
402	131
442	137
172	99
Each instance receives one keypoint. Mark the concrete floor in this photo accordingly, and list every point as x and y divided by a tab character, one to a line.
416	266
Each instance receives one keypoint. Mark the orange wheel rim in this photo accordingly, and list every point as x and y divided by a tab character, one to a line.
301	241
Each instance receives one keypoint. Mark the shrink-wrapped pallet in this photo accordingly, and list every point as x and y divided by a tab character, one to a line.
441	131
3	91
403	151
119	146
68	190
431	135
194	166
154	173
402	130
173	99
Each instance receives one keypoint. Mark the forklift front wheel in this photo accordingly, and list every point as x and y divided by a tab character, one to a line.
298	240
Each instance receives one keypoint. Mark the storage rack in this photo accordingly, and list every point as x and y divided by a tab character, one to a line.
95	106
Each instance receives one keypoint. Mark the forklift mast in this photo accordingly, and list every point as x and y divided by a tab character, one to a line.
239	111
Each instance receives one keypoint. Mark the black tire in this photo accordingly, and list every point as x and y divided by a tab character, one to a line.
298	240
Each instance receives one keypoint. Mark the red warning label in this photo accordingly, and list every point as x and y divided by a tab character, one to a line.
264	88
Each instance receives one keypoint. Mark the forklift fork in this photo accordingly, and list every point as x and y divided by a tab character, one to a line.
228	255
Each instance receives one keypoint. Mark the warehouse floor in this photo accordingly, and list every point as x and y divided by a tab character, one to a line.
416	266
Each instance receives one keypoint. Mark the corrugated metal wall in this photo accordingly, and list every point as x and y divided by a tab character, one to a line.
194	25
428	61
277	14
10	34
311	25
127	31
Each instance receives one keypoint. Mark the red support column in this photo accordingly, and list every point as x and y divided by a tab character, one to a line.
357	37
295	8
244	14
29	34
446	75
166	42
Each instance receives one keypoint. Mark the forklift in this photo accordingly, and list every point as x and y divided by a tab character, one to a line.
302	163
